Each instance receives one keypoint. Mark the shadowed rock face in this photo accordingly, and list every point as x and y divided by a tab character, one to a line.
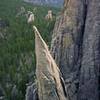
1	93
89	73
76	48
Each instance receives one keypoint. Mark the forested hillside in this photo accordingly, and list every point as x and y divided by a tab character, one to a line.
17	56
56	3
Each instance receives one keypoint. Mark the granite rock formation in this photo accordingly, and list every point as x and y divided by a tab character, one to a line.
76	48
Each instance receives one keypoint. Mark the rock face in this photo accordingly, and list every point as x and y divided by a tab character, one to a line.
48	76
31	92
46	2
76	48
1	93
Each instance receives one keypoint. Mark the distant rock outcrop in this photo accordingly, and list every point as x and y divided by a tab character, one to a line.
46	2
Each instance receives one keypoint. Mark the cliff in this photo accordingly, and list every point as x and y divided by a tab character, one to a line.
75	47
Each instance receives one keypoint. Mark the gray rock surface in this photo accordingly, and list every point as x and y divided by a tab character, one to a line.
75	47
2	94
4	23
66	44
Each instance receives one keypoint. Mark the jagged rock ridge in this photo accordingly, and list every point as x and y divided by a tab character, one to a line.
46	2
48	76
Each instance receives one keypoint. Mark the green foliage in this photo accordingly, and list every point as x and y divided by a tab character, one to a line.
17	56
